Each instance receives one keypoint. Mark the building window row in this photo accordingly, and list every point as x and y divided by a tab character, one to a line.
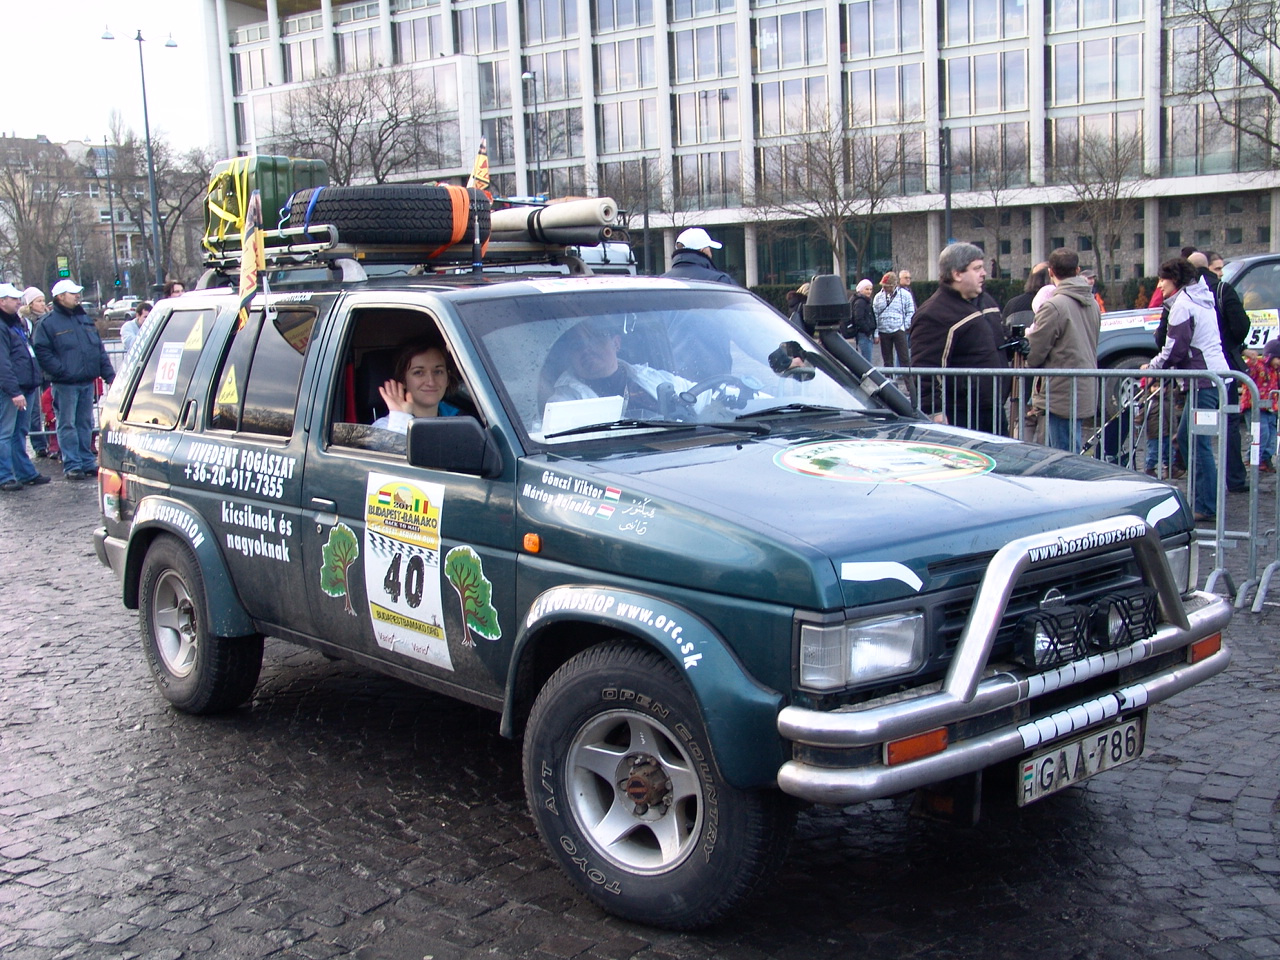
688	9
419	39
359	49
1096	71
1082	14
482	29
622	14
979	21
557	74
705	53
547	20
880	27
886	95
785	107
790	40
989	83
625	65
706	116
708	180
628	125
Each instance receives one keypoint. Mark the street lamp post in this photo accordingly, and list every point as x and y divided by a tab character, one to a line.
532	75
151	165
111	208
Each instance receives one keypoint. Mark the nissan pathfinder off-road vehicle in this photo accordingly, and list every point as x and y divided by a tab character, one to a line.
701	563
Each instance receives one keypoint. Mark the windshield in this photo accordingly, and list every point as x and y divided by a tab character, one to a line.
576	354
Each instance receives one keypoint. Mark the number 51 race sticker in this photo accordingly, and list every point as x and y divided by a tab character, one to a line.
402	567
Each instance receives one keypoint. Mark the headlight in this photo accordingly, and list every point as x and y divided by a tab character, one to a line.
1183	565
859	651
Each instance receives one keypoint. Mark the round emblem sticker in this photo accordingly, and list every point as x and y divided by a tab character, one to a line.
884	461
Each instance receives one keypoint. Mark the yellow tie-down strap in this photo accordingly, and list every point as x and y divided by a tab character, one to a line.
228	199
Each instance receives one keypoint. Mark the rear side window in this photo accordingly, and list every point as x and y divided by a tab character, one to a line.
167	375
257	386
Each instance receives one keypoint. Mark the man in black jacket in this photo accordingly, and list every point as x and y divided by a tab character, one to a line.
960	326
72	354
1233	327
692	259
19	376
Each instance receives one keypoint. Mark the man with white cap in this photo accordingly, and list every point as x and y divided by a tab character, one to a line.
692	260
72	354
19	375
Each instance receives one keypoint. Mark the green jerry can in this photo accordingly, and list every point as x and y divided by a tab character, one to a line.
233	182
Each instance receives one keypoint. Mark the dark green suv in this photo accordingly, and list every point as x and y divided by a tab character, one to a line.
702	564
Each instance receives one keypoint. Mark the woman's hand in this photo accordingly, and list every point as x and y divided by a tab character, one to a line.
395	396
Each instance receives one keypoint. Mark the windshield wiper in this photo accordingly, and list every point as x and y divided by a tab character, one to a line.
789	408
759	429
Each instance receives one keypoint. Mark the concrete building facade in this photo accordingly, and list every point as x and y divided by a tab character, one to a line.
700	98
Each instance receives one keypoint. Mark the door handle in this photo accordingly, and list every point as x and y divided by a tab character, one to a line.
189	416
328	506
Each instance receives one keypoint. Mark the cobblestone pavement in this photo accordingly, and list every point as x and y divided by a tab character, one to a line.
343	814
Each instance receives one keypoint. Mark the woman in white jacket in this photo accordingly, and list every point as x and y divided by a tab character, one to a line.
1193	343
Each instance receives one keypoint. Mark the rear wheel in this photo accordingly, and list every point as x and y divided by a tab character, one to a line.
627	795
197	671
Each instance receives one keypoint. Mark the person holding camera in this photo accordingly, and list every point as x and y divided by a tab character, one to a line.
1064	334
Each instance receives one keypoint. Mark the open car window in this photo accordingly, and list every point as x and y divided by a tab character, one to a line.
574	356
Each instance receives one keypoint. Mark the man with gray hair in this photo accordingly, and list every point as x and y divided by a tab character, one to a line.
960	326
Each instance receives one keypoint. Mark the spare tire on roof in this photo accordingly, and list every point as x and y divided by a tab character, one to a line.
405	213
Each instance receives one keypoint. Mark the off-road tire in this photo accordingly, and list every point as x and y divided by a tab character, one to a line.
197	671
408	214
620	715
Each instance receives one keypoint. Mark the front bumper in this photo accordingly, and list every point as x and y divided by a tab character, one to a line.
966	694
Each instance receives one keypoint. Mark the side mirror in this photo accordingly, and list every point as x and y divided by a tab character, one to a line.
457	444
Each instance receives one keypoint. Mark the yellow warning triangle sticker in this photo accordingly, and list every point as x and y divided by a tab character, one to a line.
229	392
195	339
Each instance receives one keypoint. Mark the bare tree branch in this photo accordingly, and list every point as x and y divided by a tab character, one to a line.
369	126
38	185
1230	51
1104	183
839	181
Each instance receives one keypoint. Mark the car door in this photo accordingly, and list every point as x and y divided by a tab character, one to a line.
239	460
411	567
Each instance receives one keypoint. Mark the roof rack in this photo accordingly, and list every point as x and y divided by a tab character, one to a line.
320	245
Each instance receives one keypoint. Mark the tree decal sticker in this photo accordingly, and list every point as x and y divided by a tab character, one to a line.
339	553
463	568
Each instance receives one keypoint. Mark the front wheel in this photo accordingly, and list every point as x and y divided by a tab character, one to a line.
625	791
197	672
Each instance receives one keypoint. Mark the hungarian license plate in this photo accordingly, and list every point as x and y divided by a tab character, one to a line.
1072	761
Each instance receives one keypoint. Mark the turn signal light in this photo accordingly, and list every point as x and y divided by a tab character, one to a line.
1204	648
532	543
111	486
913	748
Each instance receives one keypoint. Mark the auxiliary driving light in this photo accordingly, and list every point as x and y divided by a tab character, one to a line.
1053	636
1123	617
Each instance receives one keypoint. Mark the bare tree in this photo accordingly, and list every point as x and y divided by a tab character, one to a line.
838	180
992	180
369	126
1229	51
38	186
182	181
1104	185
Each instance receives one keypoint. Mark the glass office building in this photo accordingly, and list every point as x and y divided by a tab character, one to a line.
695	110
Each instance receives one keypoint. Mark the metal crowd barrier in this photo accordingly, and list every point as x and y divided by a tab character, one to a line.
1133	424
115	353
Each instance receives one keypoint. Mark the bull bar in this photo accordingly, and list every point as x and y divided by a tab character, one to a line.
964	693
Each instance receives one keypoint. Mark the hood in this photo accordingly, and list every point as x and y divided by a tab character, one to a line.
1200	294
1077	288
821	520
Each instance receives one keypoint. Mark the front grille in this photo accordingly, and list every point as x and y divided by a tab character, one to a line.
1081	581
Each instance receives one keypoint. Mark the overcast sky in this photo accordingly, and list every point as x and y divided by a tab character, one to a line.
62	80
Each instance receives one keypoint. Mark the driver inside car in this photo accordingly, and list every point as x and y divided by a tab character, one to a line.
594	369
